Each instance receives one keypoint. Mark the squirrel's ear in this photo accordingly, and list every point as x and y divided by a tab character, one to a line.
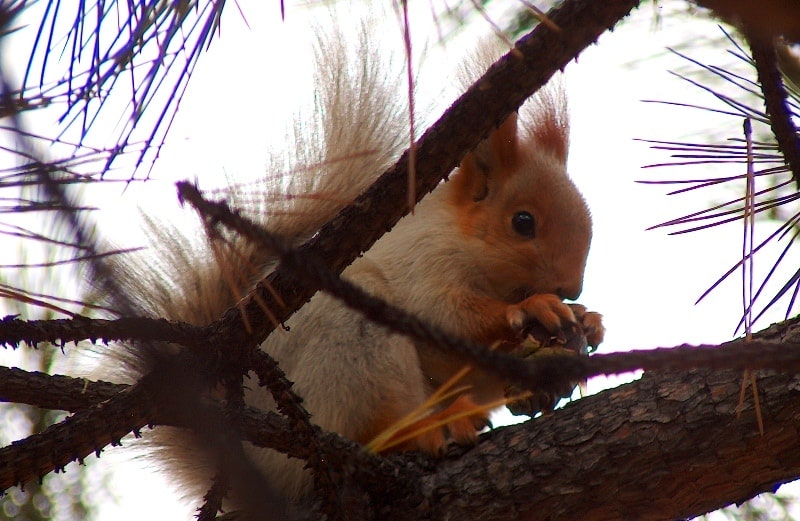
551	121
493	157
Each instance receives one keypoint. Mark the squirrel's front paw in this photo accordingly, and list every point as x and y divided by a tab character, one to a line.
548	327
544	308
592	324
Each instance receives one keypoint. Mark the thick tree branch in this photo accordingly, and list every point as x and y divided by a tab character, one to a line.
666	447
568	465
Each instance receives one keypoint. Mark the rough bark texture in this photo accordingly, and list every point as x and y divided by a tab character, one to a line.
664	447
668	446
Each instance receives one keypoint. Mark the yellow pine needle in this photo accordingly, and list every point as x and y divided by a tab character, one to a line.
542	16
436	397
444	421
223	257
443	392
747	275
384	440
388	439
757	404
483	409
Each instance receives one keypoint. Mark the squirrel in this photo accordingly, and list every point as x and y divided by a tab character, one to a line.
503	241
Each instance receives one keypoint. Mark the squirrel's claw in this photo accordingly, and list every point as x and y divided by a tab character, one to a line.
545	308
592	324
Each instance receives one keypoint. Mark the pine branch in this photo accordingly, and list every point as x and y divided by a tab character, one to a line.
775	179
55	392
536	374
582	445
58	392
775	354
775	96
79	435
14	331
289	403
668	446
155	46
50	180
178	406
769	351
212	501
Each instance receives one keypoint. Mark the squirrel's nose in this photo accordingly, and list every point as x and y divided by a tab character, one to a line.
571	292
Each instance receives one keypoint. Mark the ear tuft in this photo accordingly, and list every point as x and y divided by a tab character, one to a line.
548	112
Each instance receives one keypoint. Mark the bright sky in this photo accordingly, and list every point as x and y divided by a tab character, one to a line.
644	282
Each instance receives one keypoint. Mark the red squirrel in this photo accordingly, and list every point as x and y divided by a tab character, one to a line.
503	241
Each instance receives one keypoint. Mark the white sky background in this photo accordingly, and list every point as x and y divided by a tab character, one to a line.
645	283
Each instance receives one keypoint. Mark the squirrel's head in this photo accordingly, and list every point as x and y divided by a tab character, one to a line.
527	225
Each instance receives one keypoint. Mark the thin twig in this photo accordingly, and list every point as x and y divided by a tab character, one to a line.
15	332
77	436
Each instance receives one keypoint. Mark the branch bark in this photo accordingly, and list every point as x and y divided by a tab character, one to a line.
775	99
667	446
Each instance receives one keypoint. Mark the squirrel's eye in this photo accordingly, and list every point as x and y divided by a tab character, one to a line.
524	224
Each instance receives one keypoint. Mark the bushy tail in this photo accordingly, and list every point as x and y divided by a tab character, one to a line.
357	128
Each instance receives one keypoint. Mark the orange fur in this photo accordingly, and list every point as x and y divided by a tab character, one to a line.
508	277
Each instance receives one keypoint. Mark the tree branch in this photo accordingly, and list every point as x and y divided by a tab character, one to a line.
666	447
79	435
534	374
775	97
14	331
186	409
567	465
